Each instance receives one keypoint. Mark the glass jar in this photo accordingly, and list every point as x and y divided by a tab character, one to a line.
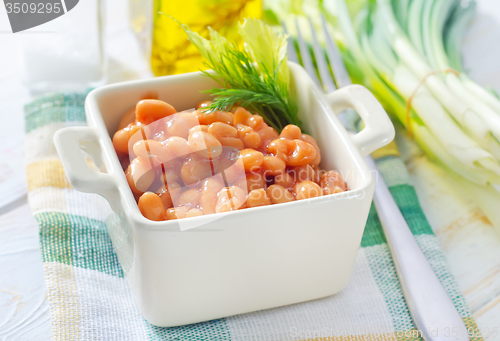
68	53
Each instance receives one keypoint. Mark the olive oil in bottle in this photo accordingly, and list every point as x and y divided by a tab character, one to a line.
171	51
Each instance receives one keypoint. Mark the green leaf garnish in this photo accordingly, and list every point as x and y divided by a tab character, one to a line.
256	78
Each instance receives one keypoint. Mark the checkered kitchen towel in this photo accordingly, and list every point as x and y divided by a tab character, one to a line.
89	297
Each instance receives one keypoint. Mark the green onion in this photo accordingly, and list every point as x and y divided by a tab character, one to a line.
394	59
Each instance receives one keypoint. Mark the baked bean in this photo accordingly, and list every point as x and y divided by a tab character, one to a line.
140	175
318	173
311	140
258	197
255	122
227	157
232	142
278	148
267	134
291	132
202	127
169	176
332	182
175	189
204	104
300	153
165	197
219	129
177	146
214	116
273	165
128	118
255	181
241	115
204	144
230	199
279	194
169	194
284	180
307	189
190	197
195	169
130	181
149	110
135	132
120	141
194	212
250	138
235	174
252	159
122	137
182	212
151	148
180	124
240	183
156	130
243	130
209	191
177	212
302	173
151	206
233	192
140	148
173	165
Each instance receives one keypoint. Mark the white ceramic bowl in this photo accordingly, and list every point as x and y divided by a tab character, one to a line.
245	260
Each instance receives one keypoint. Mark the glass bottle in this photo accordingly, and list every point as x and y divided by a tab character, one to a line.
170	50
68	54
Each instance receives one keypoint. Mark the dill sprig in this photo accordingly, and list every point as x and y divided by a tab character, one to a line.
256	78
253	86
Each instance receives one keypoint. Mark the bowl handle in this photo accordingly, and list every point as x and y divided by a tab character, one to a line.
378	130
69	143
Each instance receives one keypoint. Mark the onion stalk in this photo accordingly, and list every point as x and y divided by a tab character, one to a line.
454	127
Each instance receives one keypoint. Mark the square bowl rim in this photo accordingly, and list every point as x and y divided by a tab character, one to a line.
127	202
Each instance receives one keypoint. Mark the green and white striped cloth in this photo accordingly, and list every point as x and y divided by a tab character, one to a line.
89	296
